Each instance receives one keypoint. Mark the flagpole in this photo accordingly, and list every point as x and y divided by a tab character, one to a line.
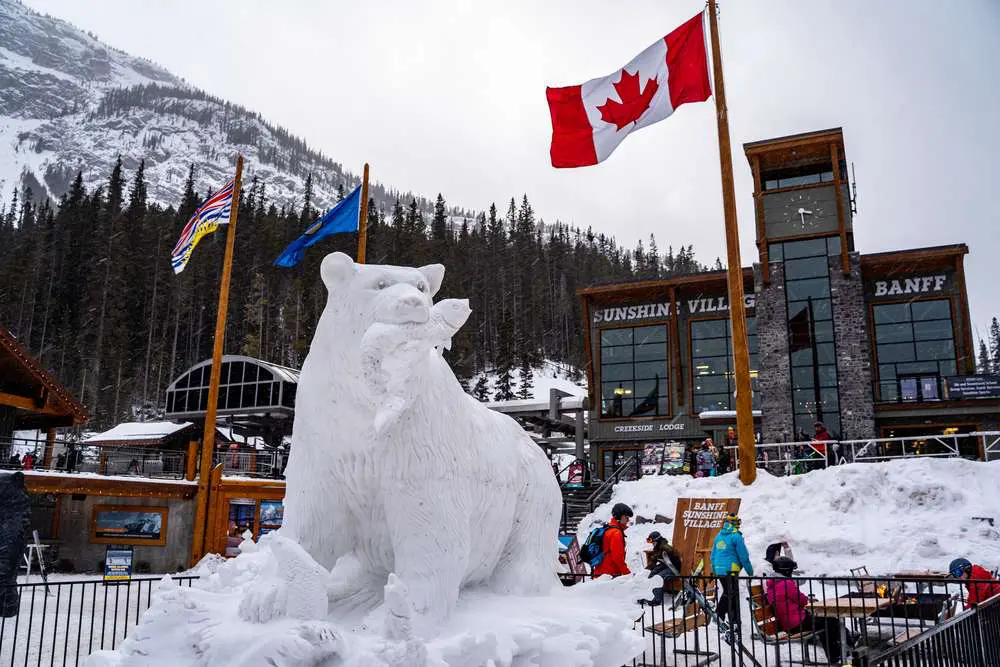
737	310
200	538
363	218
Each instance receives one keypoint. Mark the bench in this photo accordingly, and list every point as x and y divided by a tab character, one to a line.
765	629
682	621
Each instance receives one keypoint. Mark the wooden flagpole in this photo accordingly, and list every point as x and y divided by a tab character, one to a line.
737	310
200	538
363	218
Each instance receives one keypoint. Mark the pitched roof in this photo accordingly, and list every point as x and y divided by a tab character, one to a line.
41	400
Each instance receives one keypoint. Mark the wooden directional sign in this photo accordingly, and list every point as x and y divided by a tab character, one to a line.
696	523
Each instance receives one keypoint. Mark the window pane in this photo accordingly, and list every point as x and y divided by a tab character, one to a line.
248	395
800	290
227	368
802	357
810	248
908	389
916	367
827	376
250	373
947	368
288	394
644	388
802	377
825	353
893	333
710	366
890	391
810	267
931	310
651	351
895	352
833	245
616	372
616	337
711	384
709	329
892	313
821	308
751	326
824	331
933	330
938	349
711	402
650	369
710	347
774	252
616	355
929	388
652	334
887	371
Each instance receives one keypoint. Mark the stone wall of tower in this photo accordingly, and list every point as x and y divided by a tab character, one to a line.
854	354
774	379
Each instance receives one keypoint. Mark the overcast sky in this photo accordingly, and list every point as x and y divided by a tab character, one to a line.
449	96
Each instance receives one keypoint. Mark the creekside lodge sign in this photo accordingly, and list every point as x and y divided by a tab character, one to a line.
662	310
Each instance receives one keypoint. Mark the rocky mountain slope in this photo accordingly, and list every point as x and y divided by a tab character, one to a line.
69	102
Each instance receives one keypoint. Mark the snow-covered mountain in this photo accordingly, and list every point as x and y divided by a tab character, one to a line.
69	102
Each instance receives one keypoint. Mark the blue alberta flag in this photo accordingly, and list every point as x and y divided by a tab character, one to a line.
341	218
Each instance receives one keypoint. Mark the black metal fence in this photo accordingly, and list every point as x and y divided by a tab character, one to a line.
857	620
62	622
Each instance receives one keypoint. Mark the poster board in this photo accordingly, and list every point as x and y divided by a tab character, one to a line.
128	524
117	563
696	523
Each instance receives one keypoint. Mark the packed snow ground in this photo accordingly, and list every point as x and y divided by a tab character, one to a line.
893	516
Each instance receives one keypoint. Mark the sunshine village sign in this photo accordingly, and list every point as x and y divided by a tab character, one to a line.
662	310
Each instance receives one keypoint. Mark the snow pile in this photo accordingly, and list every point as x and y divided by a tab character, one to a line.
890	517
243	613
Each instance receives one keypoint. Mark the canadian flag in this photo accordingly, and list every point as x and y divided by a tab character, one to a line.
589	121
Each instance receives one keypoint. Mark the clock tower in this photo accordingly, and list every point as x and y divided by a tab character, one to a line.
811	318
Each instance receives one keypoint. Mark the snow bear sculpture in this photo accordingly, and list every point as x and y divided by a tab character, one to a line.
446	494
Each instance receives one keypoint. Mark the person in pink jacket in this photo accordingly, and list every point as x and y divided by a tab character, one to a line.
791	610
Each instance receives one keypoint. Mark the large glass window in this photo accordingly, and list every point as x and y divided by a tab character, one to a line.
811	346
635	372
915	348
713	379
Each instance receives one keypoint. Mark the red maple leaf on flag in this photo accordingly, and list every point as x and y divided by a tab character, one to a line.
633	103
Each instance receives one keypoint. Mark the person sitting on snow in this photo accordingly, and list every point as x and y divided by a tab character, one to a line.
791	609
978	581
665	562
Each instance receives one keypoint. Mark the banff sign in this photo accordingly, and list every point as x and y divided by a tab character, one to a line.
911	285
662	309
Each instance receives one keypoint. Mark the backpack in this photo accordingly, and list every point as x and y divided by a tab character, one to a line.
592	551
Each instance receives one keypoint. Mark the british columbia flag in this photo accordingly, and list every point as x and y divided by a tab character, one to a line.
205	220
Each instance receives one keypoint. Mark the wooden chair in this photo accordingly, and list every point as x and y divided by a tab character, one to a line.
766	630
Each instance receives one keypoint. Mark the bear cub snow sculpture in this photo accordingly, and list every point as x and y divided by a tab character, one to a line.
396	470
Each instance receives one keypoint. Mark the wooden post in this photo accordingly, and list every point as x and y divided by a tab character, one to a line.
50	444
737	310
208	437
191	468
363	218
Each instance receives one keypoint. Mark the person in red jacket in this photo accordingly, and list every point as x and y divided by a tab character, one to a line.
979	582
613	543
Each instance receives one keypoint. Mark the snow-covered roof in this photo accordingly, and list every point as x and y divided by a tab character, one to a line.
722	414
137	431
536	405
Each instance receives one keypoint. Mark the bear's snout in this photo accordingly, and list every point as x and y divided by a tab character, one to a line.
402	304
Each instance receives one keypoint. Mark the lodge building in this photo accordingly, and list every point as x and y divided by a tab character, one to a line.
872	345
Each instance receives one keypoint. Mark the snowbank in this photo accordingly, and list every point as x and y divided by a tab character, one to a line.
208	624
894	516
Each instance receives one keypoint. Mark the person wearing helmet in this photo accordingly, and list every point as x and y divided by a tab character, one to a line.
978	581
613	543
729	557
664	561
791	609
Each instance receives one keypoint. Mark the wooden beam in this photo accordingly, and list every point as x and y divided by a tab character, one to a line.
707	277
758	207
29	404
61	483
50	444
192	460
819	137
963	295
588	346
945	252
845	259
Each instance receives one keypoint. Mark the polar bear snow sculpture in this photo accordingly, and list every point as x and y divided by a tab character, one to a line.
446	494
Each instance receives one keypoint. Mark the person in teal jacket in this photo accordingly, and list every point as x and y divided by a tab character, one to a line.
729	557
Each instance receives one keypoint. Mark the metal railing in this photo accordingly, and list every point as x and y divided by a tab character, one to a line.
252	463
72	457
62	622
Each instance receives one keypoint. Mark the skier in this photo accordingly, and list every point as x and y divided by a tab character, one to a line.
729	557
665	562
613	543
790	610
979	582
706	459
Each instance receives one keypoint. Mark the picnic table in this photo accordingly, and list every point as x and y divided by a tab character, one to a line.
848	607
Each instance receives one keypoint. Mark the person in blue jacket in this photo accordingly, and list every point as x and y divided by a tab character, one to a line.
729	557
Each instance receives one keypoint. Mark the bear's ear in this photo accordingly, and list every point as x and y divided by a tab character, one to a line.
336	268
434	274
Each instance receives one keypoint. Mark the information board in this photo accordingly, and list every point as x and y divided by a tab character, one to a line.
117	563
973	386
696	523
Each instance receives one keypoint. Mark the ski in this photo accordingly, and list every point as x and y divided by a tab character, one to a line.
691	592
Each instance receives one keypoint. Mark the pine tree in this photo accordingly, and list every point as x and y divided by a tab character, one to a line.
995	344
481	390
983	367
525	383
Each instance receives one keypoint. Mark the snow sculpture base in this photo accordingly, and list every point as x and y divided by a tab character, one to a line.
206	624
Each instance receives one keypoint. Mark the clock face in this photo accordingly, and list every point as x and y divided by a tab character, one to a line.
803	212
